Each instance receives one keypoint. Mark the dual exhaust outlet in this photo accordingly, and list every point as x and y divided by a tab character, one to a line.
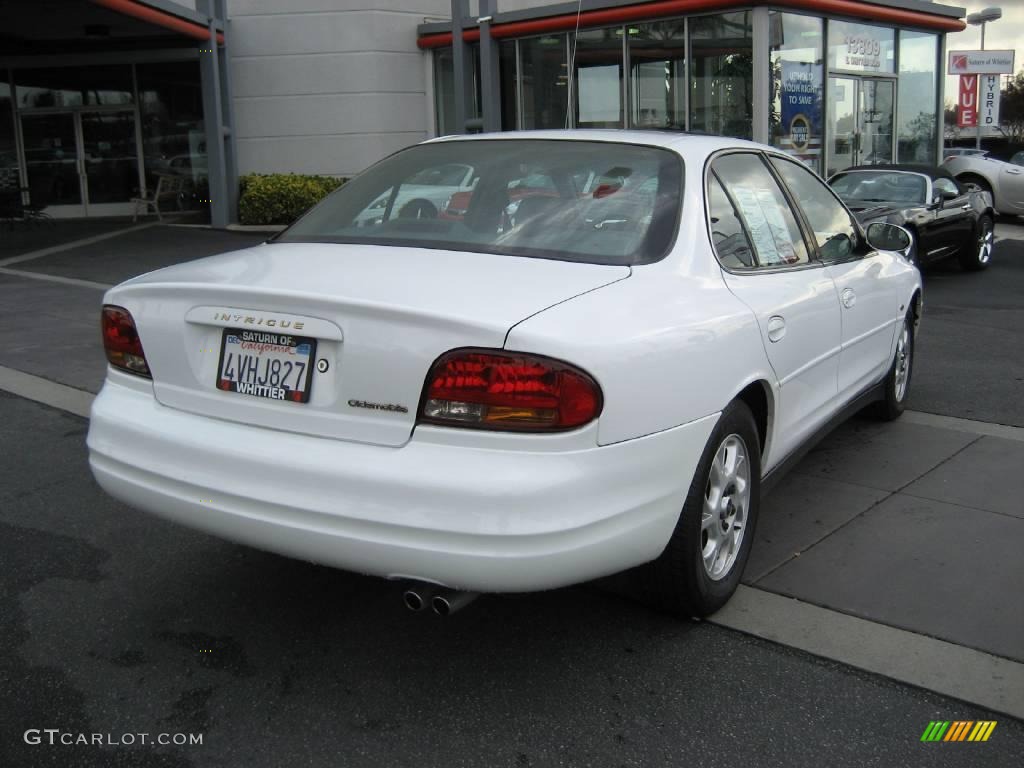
443	601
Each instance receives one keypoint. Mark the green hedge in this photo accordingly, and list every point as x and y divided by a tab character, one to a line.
280	198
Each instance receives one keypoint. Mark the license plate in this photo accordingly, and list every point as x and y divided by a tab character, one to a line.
276	366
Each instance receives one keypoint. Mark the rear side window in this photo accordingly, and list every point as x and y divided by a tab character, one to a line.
595	202
755	197
730	240
830	222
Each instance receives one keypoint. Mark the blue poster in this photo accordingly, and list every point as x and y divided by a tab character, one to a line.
801	104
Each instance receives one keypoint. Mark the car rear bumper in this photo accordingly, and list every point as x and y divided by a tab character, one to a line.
498	520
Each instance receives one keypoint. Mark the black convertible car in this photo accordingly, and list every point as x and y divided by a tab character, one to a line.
944	216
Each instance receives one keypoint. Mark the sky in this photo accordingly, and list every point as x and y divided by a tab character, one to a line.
1004	34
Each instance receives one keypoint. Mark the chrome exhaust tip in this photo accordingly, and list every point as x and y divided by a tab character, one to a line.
417	596
448	601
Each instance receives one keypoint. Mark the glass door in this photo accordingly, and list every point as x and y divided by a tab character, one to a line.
110	160
875	121
860	118
82	163
53	162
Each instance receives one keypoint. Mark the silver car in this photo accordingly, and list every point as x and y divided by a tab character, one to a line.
1005	181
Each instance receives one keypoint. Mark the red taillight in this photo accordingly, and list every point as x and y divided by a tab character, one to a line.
492	390
121	341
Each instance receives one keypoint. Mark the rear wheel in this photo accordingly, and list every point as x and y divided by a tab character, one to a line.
704	560
977	254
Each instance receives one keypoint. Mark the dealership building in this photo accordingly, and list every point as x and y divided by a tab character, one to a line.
99	99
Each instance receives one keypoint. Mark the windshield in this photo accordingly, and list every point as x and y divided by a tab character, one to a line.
881	186
596	202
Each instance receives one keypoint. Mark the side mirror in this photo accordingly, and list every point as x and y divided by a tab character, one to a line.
949	194
888	237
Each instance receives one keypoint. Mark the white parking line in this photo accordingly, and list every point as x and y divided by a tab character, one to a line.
55	279
73	244
907	657
936	665
965	425
47	392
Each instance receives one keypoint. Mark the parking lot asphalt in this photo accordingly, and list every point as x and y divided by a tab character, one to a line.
112	621
116	622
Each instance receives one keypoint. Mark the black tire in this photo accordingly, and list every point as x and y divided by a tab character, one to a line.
678	581
418	208
891	407
977	255
980	181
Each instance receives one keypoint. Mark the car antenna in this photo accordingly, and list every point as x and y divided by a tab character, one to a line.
572	64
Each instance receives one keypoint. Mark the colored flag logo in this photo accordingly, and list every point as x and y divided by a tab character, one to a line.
959	63
958	730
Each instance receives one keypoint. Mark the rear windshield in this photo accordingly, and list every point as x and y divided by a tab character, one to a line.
588	201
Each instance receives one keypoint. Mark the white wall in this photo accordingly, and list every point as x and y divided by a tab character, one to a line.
327	86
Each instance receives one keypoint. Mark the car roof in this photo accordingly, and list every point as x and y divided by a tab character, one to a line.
683	143
931	171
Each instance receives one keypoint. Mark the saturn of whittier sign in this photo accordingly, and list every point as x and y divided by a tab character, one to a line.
979	71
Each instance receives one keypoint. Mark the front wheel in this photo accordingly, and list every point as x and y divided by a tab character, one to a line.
976	255
897	381
701	566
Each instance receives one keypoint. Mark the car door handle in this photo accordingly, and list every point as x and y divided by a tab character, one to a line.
849	298
965	207
1014	171
776	328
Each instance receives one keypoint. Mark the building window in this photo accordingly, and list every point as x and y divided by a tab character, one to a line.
173	132
918	98
545	81
795	118
597	72
721	87
657	71
74	86
857	47
509	85
444	91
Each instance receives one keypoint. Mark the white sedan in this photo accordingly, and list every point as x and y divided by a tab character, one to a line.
605	383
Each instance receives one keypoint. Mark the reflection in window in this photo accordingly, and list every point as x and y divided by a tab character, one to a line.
731	242
857	47
833	229
9	178
762	206
74	86
173	135
796	68
545	81
721	96
598	78
918	98
658	74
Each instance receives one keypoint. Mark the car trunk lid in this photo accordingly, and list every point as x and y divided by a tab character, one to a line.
379	318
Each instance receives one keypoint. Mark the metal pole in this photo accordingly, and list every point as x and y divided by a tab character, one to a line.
460	58
977	95
490	80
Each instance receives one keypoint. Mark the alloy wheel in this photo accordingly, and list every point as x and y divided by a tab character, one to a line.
726	503
986	240
903	345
